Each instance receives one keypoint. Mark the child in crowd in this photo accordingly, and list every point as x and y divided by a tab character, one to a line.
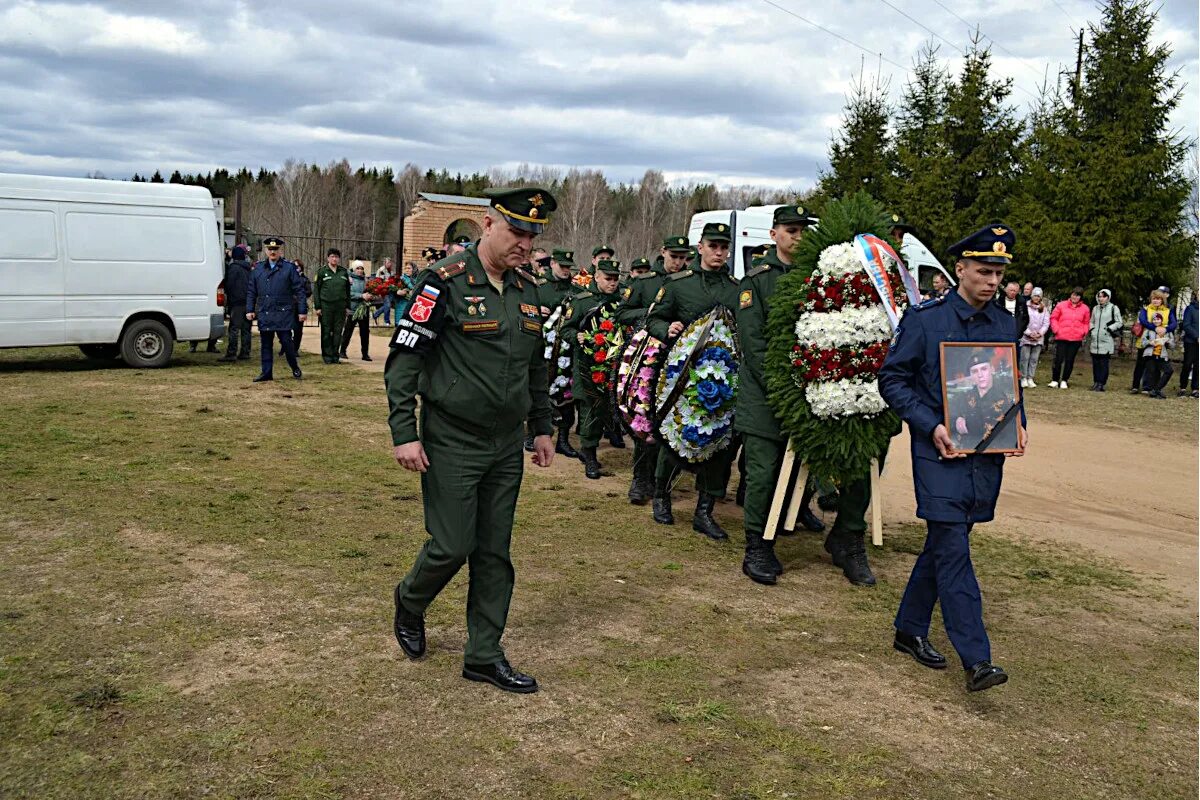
1156	350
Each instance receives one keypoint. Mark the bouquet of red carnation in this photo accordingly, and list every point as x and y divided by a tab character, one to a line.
601	347
379	288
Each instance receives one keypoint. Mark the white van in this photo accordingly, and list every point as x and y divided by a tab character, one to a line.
120	269
752	227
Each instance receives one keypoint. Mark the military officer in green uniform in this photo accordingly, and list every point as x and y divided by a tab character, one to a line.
331	301
763	440
683	298
470	344
592	405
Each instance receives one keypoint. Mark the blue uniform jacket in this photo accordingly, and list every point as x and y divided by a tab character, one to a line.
953	490
276	295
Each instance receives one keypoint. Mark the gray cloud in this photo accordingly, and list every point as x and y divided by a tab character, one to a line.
713	89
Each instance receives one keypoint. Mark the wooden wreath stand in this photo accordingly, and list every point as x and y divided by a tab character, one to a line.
795	483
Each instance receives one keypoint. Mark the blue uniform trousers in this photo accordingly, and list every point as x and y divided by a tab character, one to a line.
944	572
267	339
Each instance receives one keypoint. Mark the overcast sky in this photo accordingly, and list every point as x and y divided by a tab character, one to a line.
736	91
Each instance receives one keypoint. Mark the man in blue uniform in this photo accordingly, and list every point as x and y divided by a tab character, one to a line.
275	296
955	489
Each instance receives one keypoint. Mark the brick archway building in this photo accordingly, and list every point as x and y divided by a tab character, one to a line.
437	218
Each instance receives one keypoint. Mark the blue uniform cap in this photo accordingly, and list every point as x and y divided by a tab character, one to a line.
992	243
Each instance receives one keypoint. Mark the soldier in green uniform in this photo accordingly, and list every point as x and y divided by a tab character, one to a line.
331	301
764	442
554	290
471	345
684	297
592	405
643	288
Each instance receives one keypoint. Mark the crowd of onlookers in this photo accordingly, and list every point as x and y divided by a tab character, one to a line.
1152	334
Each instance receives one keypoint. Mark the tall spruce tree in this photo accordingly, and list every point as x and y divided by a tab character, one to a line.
981	133
1134	190
921	155
860	153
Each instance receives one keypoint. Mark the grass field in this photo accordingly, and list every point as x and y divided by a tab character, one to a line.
197	603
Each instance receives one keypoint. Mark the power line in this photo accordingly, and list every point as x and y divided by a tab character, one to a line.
1001	47
881	56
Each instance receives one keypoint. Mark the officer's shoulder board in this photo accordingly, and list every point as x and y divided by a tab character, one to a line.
448	271
644	276
732	279
581	295
759	270
683	273
529	277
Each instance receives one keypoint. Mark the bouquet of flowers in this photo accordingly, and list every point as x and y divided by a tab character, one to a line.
828	333
636	379
697	388
378	288
558	359
601	347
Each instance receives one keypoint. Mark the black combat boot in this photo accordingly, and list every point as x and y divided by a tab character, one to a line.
591	464
639	493
849	552
615	439
662	502
757	564
563	445
702	520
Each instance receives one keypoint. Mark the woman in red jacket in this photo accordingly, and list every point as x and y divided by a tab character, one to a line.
1069	321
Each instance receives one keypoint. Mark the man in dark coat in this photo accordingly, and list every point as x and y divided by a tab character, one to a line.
274	297
237	281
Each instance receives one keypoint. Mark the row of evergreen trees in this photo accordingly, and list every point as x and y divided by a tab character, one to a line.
1096	186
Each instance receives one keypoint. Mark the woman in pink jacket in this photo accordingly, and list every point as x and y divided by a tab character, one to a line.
1069	321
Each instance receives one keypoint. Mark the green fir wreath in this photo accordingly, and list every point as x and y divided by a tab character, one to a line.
838	449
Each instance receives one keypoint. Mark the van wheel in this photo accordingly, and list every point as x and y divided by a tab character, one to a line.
101	352
147	344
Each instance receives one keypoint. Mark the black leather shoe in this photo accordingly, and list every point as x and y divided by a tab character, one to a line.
591	464
615	440
985	675
228	357
297	374
810	521
757	564
563	445
327	359
702	519
409	629
262	378
344	355
920	649
367	357
502	676
828	502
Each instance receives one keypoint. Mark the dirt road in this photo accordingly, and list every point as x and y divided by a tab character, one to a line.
1077	485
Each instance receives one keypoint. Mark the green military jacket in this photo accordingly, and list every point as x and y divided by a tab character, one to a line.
473	354
688	295
637	300
754	414
332	287
551	291
581	304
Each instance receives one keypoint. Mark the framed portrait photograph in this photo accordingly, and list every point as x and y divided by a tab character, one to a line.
980	396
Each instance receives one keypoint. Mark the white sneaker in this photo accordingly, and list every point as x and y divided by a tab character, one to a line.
1032	385
1062	385
1053	384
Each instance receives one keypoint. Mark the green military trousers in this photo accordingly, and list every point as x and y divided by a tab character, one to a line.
764	459
333	321
594	416
712	477
470	493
